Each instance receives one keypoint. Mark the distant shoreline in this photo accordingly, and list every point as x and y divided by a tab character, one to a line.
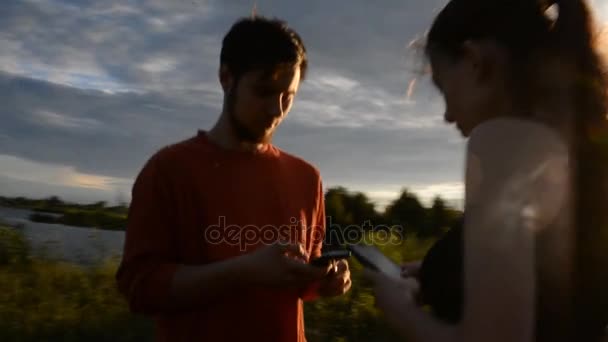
55	211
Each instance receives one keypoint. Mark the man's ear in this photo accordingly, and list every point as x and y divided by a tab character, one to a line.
226	78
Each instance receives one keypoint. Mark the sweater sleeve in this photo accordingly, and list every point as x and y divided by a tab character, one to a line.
317	237
146	271
318	226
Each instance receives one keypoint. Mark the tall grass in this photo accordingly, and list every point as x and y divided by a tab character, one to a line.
354	317
44	300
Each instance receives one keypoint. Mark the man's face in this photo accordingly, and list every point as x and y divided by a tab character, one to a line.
259	101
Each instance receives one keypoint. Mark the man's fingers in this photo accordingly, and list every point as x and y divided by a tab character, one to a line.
331	268
294	250
340	285
302	252
341	266
349	284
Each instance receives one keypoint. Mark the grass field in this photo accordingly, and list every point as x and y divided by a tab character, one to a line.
45	300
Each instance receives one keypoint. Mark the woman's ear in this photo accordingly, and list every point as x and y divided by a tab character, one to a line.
473	56
486	60
226	78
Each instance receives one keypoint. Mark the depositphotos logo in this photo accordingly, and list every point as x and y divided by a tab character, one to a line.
248	235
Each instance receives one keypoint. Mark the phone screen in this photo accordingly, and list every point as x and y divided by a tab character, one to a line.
372	257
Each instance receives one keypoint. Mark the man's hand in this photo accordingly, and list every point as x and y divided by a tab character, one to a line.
337	282
281	265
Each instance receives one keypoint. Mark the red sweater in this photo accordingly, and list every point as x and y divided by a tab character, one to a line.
195	203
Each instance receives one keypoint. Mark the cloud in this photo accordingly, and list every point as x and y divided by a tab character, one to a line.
172	46
338	83
101	42
52	119
112	135
35	189
96	87
57	175
158	65
93	131
330	99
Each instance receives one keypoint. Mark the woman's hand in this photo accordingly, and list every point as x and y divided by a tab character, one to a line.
393	295
411	269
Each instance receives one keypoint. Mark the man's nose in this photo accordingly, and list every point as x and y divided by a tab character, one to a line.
275	106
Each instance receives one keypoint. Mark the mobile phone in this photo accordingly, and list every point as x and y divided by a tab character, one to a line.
326	258
371	257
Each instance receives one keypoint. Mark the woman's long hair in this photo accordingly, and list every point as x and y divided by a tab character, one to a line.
554	60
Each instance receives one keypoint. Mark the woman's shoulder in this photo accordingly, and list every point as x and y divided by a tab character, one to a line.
514	165
513	131
505	144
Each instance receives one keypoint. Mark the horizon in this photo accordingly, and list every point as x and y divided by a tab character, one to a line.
120	201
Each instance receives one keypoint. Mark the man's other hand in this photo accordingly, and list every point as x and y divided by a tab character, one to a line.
337	282
282	265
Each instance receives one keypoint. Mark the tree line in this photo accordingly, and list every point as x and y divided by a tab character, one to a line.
344	209
406	214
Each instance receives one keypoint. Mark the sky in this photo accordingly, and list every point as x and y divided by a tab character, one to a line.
92	88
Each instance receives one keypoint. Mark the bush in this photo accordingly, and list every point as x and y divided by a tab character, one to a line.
54	301
14	249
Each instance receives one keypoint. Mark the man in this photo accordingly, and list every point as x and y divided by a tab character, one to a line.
222	226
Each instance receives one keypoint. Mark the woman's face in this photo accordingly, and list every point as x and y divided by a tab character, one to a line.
469	89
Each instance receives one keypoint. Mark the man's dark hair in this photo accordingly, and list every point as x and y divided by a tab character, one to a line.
259	43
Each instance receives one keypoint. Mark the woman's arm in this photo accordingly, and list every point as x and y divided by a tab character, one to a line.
396	298
516	182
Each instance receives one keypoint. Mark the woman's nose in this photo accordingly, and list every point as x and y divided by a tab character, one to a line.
448	117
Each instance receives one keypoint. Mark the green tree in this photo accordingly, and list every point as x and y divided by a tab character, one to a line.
407	212
439	218
54	201
348	214
362	209
336	206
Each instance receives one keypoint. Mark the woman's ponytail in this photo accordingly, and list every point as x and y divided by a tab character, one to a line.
575	40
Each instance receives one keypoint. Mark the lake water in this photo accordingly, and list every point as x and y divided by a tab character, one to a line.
74	244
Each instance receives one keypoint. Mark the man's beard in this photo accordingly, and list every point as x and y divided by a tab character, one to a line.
242	132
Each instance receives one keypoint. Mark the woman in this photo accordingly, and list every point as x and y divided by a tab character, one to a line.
526	86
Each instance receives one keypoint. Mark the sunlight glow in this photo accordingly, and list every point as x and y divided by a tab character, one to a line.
31	171
447	191
82	180
451	192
